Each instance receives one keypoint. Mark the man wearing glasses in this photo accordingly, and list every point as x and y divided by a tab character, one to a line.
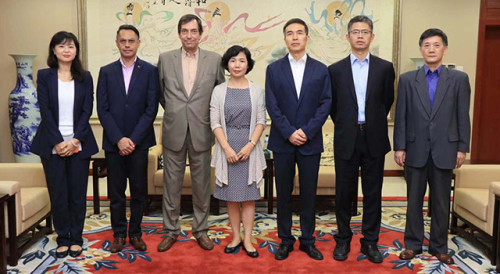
127	103
362	95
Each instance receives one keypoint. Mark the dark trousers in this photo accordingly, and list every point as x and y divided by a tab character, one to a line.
67	179
134	167
346	186
284	166
440	190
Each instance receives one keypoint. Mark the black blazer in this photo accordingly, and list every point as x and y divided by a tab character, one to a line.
48	135
127	114
344	111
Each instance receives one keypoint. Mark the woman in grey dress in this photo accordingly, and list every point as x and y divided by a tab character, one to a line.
237	118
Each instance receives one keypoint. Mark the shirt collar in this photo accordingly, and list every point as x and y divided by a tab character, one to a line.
187	54
428	70
303	59
355	59
123	65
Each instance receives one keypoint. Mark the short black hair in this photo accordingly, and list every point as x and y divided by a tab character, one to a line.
233	51
186	18
127	27
295	21
360	19
433	32
77	71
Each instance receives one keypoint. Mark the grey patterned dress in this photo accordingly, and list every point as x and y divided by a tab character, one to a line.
237	109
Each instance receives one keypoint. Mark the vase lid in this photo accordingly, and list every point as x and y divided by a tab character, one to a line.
14	55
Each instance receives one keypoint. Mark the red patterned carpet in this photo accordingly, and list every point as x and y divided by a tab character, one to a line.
187	257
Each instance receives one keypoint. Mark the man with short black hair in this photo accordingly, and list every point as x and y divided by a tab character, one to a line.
127	103
363	93
298	99
431	138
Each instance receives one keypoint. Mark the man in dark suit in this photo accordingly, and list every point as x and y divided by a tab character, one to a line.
363	93
298	100
127	103
431	137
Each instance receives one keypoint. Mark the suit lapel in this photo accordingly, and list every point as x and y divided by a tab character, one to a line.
79	94
287	72
308	73
348	69
178	71
200	71
372	63
423	90
137	71
54	92
441	89
119	75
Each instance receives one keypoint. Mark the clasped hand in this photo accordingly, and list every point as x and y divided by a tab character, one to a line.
242	156
126	146
65	149
298	137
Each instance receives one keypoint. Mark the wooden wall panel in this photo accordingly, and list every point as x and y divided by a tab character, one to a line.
486	131
493	4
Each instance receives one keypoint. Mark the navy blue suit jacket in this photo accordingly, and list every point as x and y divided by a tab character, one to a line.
127	114
289	113
48	134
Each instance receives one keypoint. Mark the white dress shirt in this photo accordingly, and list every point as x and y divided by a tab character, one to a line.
298	68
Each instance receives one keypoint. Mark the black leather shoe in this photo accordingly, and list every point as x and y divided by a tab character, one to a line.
62	254
312	251
75	253
372	253
341	250
231	249
253	254
282	252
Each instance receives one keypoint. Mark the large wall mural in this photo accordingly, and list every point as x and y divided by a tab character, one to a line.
256	24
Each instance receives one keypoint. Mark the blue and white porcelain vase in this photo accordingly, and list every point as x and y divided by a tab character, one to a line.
24	112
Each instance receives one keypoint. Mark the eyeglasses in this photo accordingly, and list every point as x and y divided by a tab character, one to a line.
364	32
125	41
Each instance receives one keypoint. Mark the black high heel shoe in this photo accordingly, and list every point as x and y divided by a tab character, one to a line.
231	249
62	254
253	254
76	253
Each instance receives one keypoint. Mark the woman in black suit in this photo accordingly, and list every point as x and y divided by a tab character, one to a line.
64	140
